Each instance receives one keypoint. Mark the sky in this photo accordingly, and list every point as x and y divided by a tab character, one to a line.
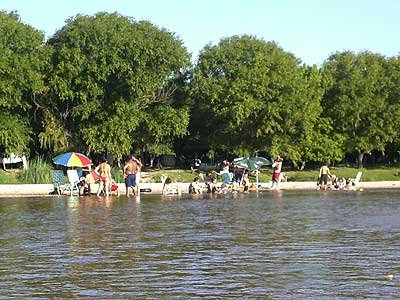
310	29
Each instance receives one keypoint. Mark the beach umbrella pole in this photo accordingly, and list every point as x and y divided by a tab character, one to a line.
257	180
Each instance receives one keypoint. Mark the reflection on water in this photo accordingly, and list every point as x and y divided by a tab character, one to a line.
278	245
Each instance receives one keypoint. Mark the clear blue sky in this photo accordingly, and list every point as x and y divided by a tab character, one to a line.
310	29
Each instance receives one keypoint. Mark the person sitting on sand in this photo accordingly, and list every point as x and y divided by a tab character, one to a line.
211	183
235	187
335	182
245	182
170	189
195	187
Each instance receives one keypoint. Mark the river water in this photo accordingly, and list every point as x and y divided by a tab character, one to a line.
270	245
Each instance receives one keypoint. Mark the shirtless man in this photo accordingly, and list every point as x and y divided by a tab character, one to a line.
131	168
324	174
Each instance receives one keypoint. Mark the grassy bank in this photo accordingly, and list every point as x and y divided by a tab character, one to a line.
186	175
373	174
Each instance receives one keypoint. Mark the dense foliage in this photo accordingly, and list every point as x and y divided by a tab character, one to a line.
357	101
109	74
255	96
22	60
109	85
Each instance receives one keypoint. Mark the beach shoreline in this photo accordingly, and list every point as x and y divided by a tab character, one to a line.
15	190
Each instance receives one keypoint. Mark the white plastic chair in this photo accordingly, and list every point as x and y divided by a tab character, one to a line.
357	179
73	179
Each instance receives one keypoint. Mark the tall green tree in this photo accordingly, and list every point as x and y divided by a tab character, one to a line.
251	95
357	101
22	60
109	75
393	88
322	143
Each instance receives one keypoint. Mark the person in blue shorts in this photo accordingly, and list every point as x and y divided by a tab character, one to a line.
130	170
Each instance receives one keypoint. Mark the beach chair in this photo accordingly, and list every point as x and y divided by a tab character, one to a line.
226	177
73	179
356	180
59	181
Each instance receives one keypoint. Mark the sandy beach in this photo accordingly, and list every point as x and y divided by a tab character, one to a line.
13	190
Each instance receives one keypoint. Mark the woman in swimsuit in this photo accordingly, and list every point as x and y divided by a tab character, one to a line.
104	171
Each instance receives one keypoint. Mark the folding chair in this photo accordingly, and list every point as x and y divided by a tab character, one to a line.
59	181
73	179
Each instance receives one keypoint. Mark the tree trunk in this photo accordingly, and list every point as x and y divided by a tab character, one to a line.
360	159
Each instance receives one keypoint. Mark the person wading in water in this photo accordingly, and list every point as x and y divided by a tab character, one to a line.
131	168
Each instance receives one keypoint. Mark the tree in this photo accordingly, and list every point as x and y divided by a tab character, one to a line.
393	88
357	101
22	60
109	74
251	95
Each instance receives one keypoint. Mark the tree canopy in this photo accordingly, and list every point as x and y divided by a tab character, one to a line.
357	101
22	61
108	74
108	84
255	97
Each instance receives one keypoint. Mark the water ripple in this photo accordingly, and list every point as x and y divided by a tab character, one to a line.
302	245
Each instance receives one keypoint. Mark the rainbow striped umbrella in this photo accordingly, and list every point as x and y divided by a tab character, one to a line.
72	159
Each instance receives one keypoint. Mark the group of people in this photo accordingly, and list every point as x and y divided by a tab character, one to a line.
328	181
239	182
107	185
211	186
102	175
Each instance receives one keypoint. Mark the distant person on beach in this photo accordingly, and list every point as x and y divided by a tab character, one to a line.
138	173
276	172
245	182
195	187
104	171
131	168
225	166
86	181
324	174
196	165
170	189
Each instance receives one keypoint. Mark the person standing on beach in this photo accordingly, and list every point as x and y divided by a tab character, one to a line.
104	171
138	173
276	172
324	173
131	168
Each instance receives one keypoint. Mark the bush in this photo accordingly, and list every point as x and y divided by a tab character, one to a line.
117	175
39	171
8	176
